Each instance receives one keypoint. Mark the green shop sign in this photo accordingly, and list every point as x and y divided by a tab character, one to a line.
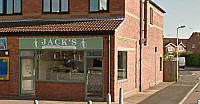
61	43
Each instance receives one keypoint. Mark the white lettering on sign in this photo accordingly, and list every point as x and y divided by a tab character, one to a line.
56	43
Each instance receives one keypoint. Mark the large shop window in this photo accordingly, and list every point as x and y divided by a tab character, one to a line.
60	65
10	7
122	65
98	5
55	6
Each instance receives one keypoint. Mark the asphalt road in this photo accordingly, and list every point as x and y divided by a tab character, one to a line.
176	92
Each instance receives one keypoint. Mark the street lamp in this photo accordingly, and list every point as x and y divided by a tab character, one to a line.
177	50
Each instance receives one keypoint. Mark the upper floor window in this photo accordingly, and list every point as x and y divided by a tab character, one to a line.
10	7
55	6
180	48
151	15
193	45
170	48
98	5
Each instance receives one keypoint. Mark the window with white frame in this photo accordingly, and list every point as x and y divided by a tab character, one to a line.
170	48
193	45
180	48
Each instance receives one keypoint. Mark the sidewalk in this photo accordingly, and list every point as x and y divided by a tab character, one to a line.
164	93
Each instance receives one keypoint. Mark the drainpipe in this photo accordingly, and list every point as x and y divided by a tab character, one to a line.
108	63
141	45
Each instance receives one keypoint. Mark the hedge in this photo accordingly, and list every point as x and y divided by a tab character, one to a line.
193	59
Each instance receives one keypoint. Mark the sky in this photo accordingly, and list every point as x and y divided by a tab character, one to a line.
178	13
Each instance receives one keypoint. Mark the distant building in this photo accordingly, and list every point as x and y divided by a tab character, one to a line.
193	44
170	45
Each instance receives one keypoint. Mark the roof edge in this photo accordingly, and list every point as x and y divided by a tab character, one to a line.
158	7
67	19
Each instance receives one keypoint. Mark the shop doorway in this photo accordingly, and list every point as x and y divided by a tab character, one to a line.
94	66
27	73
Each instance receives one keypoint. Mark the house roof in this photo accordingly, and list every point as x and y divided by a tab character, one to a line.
60	26
158	7
174	41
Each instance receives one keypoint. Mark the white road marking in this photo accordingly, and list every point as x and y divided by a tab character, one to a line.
188	94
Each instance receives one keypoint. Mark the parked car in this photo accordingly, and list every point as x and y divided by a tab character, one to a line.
181	61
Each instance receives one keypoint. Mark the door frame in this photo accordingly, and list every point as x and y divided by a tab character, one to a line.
86	74
34	57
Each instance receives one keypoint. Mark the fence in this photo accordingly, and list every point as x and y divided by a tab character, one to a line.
170	71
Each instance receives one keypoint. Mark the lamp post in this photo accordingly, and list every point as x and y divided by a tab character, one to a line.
177	51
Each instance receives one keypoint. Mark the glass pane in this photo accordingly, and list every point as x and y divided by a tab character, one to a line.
103	5
60	65
64	5
122	65
27	84
46	5
94	5
55	6
1	6
27	67
27	53
9	7
17	6
94	53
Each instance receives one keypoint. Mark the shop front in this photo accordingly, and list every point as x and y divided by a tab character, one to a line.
62	68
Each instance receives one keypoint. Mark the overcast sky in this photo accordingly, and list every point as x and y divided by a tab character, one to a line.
180	12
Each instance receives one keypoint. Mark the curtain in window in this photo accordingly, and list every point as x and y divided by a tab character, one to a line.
103	5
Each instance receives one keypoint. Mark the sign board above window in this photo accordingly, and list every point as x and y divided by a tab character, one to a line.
61	43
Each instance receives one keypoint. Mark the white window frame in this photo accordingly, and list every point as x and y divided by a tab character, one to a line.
170	49
193	46
180	49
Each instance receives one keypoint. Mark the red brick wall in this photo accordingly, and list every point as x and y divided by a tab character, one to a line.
77	9
59	90
194	39
127	38
11	87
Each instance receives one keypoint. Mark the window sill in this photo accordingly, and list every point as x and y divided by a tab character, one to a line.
122	80
55	13
63	81
10	14
99	11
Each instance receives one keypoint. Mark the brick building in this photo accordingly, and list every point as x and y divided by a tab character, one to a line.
193	43
170	45
79	49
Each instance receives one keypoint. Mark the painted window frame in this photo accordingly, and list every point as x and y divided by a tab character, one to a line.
4	8
107	6
124	66
170	49
180	48
50	6
193	46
